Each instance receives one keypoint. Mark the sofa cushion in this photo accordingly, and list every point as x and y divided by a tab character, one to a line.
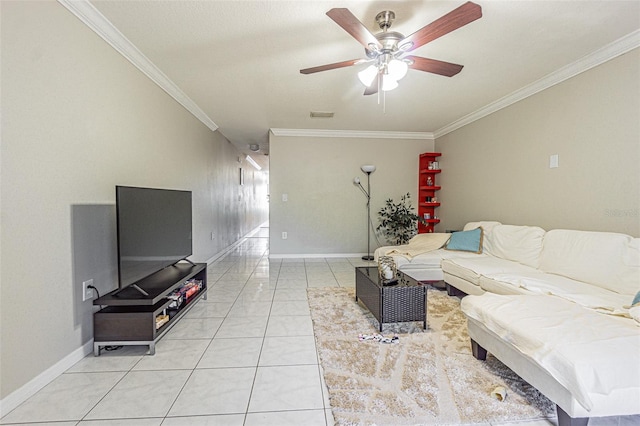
588	353
470	269
434	258
470	241
538	282
487	227
521	244
631	265
605	259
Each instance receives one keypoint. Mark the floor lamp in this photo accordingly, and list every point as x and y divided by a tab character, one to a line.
368	169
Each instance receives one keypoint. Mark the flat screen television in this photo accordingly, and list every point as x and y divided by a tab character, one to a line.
154	231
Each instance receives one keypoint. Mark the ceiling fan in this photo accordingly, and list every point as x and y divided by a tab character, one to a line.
388	51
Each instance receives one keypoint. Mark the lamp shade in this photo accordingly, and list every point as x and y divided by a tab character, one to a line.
368	168
397	69
367	75
388	83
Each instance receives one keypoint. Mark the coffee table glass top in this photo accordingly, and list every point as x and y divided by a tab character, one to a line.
403	279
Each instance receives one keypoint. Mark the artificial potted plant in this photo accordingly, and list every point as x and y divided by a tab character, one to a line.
398	222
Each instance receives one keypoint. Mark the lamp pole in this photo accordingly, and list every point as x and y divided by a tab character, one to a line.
368	256
368	169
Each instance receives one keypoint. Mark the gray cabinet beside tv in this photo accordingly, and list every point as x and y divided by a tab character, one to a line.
128	317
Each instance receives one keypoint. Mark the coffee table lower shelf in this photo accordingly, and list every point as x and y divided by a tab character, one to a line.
404	302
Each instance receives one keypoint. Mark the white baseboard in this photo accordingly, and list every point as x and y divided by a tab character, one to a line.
233	246
17	397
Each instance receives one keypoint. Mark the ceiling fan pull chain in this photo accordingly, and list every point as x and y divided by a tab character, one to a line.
384	102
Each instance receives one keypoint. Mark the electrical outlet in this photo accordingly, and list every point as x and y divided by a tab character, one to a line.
87	293
213	236
284	235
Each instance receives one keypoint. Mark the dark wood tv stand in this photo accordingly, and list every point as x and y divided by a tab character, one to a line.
128	317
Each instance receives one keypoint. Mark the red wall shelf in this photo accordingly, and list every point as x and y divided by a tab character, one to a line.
428	168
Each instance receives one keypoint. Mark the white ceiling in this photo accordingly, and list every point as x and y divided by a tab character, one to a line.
239	61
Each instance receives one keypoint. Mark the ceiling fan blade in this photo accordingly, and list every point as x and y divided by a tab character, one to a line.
434	66
373	87
453	20
328	67
353	26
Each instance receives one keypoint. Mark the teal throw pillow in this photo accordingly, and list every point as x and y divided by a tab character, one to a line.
636	300
466	241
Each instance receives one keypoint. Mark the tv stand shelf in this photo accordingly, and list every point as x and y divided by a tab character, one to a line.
128	317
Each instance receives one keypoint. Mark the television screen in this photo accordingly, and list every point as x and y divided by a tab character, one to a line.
154	230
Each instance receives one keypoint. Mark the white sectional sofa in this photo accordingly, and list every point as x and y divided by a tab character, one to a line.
553	306
425	265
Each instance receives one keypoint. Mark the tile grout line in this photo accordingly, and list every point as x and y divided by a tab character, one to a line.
255	375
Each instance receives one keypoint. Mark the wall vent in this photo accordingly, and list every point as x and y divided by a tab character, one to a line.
321	114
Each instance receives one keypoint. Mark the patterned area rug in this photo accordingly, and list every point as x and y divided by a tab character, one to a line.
428	378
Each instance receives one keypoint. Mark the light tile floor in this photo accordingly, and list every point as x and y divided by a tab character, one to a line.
245	356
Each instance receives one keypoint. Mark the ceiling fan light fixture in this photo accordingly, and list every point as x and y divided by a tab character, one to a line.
397	69
387	49
388	83
367	75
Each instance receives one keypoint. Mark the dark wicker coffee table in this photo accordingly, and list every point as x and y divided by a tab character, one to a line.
403	302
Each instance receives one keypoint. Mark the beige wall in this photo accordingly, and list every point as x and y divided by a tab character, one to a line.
325	212
78	119
498	167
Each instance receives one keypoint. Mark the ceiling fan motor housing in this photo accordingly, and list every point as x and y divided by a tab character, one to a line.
389	41
385	19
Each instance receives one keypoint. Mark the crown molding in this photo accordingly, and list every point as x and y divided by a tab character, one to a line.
91	17
619	47
364	134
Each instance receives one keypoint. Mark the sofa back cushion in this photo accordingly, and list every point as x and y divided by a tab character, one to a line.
604	259
486	225
522	244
